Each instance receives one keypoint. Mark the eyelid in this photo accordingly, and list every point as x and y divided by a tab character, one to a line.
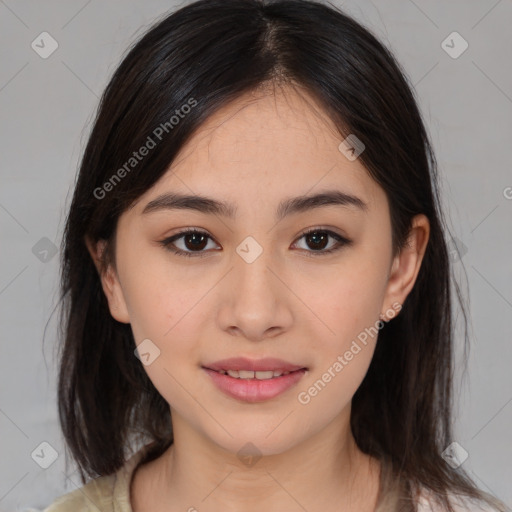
325	229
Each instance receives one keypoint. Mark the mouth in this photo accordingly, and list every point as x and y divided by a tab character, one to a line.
241	367
239	379
256	375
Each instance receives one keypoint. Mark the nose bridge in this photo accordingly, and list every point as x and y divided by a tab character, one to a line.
252	273
253	302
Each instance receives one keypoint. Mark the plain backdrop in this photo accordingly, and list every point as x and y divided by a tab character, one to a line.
46	109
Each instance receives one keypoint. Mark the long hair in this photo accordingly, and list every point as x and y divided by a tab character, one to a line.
195	61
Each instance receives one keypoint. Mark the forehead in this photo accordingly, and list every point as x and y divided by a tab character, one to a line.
261	148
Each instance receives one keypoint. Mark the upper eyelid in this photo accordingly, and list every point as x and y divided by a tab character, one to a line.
201	231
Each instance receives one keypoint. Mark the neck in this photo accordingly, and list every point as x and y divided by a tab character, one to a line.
327	472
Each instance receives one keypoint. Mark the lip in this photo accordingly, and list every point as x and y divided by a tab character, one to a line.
255	365
255	390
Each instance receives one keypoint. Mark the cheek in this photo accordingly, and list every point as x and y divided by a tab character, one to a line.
344	350
342	303
328	392
355	316
158	295
170	316
346	332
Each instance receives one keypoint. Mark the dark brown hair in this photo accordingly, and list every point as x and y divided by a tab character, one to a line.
211	52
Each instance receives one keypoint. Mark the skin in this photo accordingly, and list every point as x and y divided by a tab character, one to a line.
259	150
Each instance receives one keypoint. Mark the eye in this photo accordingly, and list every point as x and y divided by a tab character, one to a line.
195	241
318	238
192	238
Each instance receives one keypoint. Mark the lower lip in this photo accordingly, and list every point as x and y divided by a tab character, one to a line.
254	390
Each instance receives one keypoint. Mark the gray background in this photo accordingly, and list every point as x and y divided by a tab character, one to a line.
46	109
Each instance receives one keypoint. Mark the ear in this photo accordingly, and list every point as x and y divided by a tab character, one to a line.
407	263
109	282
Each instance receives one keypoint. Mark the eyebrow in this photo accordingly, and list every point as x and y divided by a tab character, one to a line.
293	205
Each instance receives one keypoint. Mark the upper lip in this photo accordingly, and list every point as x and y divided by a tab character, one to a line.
255	365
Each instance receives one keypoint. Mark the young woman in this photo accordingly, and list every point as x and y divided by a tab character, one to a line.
256	277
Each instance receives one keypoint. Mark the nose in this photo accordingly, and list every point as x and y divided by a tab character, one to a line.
255	300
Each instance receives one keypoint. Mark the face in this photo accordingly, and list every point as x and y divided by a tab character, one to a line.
251	284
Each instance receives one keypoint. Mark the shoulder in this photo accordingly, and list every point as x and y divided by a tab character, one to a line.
428	503
91	497
107	492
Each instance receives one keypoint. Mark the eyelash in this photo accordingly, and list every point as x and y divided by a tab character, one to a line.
167	243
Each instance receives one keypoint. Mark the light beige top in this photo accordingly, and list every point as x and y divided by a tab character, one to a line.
111	493
106	493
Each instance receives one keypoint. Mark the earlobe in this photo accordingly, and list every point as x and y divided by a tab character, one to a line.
109	282
406	265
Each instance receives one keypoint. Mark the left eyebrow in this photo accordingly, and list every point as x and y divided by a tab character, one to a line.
293	205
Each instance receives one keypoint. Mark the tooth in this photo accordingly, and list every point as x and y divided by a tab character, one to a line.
249	374
264	375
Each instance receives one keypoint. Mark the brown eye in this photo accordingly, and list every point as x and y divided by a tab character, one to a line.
318	239
194	243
